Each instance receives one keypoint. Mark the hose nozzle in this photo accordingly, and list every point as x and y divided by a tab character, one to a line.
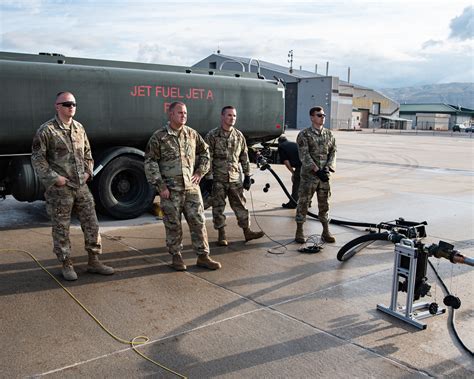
446	250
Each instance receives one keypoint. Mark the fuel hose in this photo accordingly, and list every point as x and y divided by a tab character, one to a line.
331	221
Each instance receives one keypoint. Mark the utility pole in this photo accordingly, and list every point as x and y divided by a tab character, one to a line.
290	60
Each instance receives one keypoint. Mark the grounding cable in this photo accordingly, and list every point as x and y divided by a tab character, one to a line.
134	342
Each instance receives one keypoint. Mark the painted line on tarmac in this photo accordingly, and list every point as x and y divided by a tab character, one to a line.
261	307
424	168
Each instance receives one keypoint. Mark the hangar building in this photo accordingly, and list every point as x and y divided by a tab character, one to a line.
349	106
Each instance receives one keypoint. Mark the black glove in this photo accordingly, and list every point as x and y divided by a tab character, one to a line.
247	183
323	174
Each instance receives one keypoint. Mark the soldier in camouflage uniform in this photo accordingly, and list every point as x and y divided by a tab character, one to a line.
228	150
317	151
176	159
62	159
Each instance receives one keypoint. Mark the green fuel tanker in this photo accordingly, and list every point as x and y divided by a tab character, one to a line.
120	104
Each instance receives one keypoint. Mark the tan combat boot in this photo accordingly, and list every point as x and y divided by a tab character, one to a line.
96	267
299	236
205	261
178	263
222	240
68	270
250	235
326	235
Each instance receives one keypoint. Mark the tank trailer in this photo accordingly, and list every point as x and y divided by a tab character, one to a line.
120	104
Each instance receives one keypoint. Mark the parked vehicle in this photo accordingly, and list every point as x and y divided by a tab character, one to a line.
120	104
469	129
459	127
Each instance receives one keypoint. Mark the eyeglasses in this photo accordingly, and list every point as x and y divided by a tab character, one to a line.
67	104
320	115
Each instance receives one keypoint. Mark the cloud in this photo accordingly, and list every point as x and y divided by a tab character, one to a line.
383	42
435	68
462	27
162	53
431	43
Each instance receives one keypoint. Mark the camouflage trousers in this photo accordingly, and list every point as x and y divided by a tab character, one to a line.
61	202
189	203
306	192
235	193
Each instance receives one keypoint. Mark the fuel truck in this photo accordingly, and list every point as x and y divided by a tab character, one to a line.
120	105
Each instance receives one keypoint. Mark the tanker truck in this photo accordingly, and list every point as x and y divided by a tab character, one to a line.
120	105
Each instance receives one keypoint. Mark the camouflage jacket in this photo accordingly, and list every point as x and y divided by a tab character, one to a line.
227	151
63	150
172	158
316	148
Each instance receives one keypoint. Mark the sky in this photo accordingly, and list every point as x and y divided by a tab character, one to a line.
387	44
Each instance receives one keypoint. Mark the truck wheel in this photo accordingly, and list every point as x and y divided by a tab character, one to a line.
24	183
121	189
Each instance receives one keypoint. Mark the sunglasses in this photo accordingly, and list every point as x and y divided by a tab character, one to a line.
320	115
67	104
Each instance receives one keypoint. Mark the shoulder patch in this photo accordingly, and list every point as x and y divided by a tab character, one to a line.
36	144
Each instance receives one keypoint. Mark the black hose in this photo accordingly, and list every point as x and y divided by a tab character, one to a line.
350	249
281	184
451	314
331	221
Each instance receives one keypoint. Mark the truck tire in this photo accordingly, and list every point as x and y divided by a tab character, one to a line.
121	189
24	183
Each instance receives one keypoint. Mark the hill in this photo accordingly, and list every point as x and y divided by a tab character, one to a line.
450	93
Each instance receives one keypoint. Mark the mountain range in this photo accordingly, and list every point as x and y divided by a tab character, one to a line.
457	94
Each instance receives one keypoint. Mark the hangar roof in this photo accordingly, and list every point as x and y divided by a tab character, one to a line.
433	108
271	66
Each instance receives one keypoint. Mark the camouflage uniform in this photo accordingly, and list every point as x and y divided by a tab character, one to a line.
171	159
315	148
227	151
60	149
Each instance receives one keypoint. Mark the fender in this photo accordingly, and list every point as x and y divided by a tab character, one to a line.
106	156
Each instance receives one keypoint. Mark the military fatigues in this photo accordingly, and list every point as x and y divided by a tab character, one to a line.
171	159
228	150
60	149
315	148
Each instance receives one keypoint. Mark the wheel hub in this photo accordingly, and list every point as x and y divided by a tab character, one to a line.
123	186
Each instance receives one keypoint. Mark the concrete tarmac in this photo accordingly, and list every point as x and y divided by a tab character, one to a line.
271	311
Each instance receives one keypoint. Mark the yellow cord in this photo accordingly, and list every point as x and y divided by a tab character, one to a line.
133	342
